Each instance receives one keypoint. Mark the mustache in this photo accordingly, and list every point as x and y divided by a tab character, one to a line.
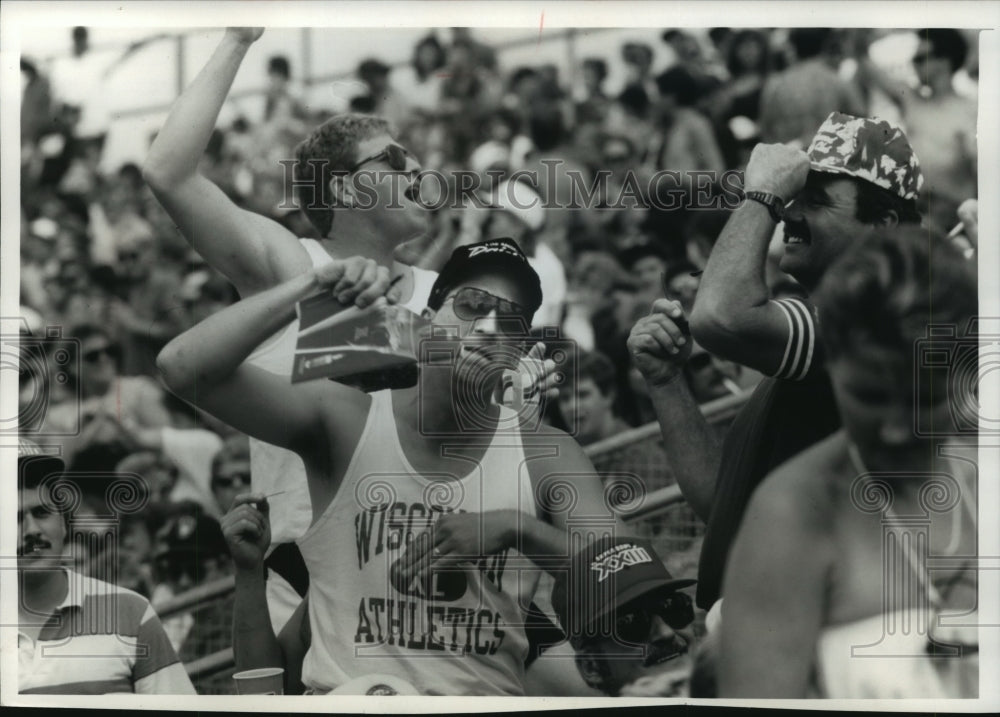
31	544
797	228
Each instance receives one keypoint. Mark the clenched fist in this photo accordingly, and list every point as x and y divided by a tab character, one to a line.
356	280
657	343
777	169
247	531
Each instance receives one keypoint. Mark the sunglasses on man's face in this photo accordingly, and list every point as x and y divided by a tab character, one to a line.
470	304
394	155
634	622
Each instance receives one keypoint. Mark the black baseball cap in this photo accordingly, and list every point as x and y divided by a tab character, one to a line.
494	256
35	464
605	575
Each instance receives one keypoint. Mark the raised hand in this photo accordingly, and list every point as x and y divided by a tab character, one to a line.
777	169
247	530
657	343
355	280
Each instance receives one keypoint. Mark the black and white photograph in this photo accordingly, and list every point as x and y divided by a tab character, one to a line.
611	354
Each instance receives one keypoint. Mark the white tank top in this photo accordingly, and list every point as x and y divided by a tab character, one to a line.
274	469
458	633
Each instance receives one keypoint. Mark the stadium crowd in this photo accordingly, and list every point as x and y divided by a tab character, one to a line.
105	262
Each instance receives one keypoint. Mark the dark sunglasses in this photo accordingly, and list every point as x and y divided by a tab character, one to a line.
634	622
94	354
394	155
470	304
230	480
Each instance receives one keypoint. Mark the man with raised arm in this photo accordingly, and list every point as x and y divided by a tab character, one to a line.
858	175
434	515
351	214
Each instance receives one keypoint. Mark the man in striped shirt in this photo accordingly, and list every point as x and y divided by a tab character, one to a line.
857	175
77	635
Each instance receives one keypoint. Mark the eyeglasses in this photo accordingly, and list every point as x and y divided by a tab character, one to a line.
393	154
470	304
228	481
94	354
634	622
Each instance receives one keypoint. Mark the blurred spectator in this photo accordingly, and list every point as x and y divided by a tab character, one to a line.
594	275
941	126
381	98
796	101
135	552
36	103
231	471
281	108
736	105
591	102
156	470
588	399
419	85
646	263
189	551
638	58
108	398
78	82
151	311
690	55
519	215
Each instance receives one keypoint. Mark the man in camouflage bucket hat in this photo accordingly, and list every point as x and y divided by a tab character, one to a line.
859	174
870	149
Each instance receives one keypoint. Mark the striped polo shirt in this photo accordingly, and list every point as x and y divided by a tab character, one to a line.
101	639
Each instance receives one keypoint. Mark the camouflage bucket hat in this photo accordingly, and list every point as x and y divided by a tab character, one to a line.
870	149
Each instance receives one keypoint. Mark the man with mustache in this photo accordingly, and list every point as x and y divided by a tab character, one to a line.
858	175
77	635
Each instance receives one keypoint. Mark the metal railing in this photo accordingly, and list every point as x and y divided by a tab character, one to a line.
656	502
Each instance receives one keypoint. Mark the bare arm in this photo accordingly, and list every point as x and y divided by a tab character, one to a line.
251	250
570	493
733	316
775	590
660	350
247	530
205	364
294	641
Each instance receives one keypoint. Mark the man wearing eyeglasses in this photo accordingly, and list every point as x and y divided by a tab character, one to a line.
627	619
355	184
432	510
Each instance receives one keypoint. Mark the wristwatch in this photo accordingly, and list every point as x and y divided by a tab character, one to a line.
775	205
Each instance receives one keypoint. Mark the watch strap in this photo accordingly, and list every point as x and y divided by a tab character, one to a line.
775	205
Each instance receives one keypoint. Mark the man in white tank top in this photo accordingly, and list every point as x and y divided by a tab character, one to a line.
256	253
427	501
